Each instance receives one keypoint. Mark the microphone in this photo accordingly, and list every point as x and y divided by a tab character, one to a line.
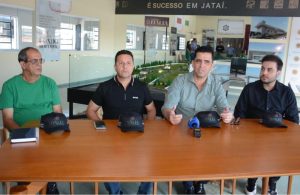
194	123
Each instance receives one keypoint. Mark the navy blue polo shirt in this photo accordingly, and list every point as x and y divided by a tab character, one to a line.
115	100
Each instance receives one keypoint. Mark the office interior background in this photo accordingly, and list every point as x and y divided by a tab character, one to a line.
86	55
91	33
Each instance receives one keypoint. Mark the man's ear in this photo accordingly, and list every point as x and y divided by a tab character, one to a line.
278	73
22	63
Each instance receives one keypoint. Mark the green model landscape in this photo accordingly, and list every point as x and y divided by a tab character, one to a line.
159	74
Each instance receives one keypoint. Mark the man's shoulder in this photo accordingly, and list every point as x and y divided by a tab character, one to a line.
183	79
214	77
107	83
47	80
282	85
184	76
13	79
13	82
285	88
254	84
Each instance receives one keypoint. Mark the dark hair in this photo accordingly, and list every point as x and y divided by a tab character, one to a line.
188	45
205	49
22	56
121	52
273	58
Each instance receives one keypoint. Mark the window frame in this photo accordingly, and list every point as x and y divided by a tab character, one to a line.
24	34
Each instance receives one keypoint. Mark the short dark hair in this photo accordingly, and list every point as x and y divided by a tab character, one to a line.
121	52
22	56
205	49
273	58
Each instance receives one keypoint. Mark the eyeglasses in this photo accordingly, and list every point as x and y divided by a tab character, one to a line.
36	61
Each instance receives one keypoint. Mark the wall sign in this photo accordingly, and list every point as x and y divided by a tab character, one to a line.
211	7
156	21
231	27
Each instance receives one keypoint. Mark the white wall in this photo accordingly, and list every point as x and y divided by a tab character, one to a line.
59	71
112	37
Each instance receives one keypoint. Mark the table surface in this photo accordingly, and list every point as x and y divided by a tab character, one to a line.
164	152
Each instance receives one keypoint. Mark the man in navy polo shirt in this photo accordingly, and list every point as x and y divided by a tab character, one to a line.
121	94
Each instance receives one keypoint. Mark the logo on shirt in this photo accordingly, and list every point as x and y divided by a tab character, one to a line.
135	97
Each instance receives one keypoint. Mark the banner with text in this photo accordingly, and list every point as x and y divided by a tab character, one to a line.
210	7
48	29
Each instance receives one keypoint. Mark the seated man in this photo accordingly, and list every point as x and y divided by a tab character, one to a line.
267	94
118	95
194	92
29	95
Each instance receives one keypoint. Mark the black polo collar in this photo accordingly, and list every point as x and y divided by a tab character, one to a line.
117	81
276	86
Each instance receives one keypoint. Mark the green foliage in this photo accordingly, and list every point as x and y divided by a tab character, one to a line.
136	71
161	79
154	63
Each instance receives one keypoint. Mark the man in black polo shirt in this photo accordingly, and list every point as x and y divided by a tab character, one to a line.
121	94
267	94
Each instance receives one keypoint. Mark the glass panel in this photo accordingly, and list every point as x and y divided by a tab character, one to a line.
89	69
157	45
91	35
165	42
7	35
130	39
67	36
134	37
181	44
26	34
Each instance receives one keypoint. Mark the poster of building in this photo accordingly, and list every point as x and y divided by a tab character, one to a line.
269	28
